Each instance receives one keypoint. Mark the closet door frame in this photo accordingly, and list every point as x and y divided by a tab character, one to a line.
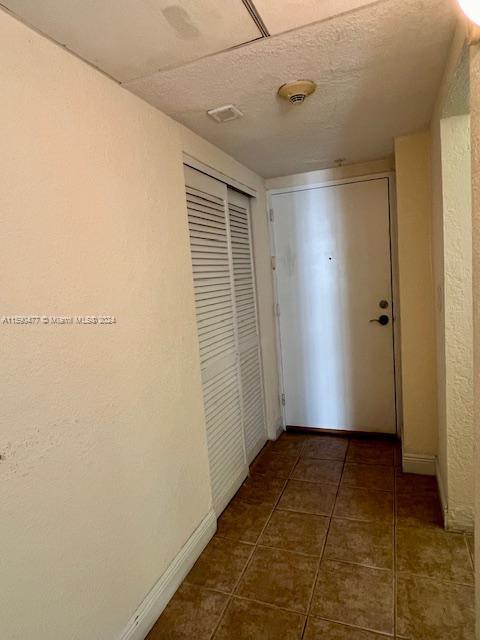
193	163
211	172
223	365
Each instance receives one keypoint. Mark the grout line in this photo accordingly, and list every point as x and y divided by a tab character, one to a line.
273	508
220	618
255	545
310	600
383	634
472	564
362	564
362	486
297	458
247	564
395	527
321	482
435	579
313	556
268	604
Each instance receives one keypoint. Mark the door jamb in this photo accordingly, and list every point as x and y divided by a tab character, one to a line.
390	175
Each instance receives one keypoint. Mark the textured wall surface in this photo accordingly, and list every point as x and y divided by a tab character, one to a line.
457	221
451	214
451	100
103	468
475	141
439	289
418	348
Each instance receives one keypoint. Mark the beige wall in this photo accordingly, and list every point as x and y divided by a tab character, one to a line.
475	142
417	322
103	468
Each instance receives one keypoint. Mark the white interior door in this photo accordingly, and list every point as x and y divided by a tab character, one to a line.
246	312
333	270
217	333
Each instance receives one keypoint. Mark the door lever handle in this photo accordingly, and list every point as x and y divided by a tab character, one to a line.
383	320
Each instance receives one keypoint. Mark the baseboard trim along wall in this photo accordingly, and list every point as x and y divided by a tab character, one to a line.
454	519
157	599
419	463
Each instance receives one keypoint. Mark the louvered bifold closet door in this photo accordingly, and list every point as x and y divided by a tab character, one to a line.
246	313
214	303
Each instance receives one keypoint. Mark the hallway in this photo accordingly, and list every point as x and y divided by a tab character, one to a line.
328	539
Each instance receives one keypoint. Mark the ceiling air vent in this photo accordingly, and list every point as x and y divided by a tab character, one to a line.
225	113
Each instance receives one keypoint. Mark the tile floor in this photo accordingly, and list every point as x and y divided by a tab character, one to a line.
329	540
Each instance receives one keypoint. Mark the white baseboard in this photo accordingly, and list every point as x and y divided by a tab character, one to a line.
456	518
155	602
418	463
462	520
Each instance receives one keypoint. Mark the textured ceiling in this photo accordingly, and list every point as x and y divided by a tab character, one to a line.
284	15
377	63
378	70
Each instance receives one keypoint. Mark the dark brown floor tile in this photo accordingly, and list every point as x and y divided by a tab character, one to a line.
413	483
318	470
243	521
371	451
324	630
419	510
364	504
360	596
278	465
432	610
258	489
193	612
325	447
369	476
281	578
287	444
367	543
308	497
246	620
434	553
220	564
301	532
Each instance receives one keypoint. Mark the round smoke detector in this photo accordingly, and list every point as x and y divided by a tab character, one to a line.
296	92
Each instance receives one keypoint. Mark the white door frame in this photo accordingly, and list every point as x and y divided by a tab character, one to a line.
390	175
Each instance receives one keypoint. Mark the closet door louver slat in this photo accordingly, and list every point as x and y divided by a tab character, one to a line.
217	333
246	318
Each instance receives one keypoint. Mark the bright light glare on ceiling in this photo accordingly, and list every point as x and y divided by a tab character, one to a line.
471	8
